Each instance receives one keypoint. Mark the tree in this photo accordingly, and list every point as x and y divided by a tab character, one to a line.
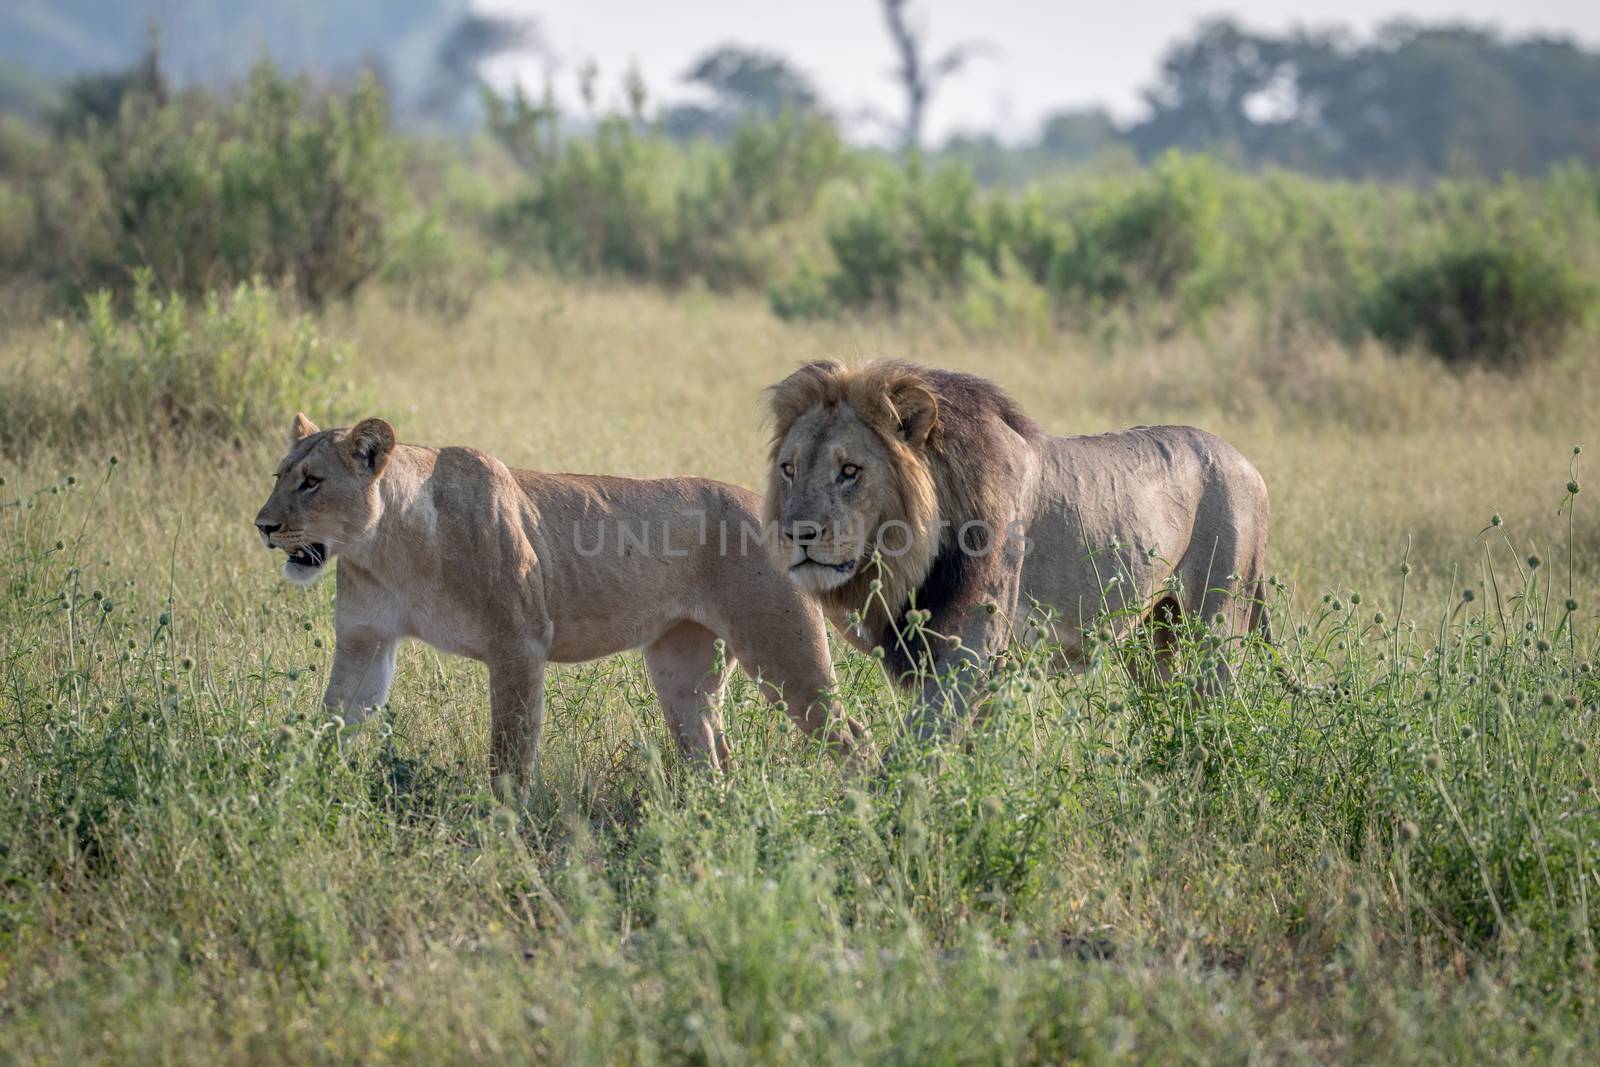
1078	134
473	41
1409	102
741	82
918	76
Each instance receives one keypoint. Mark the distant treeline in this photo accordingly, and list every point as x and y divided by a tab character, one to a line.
188	191
1410	102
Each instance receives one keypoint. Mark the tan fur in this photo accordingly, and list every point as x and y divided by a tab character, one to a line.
518	569
1095	530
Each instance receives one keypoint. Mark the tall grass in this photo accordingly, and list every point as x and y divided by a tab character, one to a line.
1395	862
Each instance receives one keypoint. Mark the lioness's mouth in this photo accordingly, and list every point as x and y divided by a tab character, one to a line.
311	555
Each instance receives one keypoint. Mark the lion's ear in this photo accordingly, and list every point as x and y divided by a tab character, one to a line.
300	429
369	445
797	394
915	410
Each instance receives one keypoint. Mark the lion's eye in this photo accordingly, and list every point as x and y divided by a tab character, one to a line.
788	470
849	471
309	484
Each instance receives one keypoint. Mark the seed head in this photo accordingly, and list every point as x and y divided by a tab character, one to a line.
1378	617
1547	698
875	586
164	619
1570	702
1408	832
113	461
1467	596
105	605
1572	487
1495	519
306	626
1542	645
1434	762
1534	561
1572	605
187	663
1405	569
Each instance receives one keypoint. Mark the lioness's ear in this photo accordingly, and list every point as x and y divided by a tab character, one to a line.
369	445
915	410
300	429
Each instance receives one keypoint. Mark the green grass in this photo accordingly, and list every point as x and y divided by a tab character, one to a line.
1401	866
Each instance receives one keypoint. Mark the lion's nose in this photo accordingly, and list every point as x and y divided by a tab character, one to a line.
805	532
269	528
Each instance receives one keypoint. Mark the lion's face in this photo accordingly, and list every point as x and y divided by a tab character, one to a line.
325	494
839	490
850	477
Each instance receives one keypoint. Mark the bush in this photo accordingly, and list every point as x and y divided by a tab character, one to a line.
204	193
1497	304
628	201
224	368
1154	239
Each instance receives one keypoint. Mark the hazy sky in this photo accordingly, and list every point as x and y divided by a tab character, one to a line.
1048	54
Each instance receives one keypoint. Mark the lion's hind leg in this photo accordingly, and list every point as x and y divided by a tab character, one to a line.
1151	651
688	672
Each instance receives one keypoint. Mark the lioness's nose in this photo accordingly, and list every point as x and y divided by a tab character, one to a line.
269	528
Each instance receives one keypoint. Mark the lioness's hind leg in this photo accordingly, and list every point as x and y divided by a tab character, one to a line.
688	678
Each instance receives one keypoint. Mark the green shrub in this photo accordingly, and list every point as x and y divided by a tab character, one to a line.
1154	239
203	193
628	201
1501	304
225	368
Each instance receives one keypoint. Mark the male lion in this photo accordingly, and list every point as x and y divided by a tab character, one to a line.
897	488
518	569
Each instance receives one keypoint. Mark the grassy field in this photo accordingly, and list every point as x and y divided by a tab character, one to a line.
1404	867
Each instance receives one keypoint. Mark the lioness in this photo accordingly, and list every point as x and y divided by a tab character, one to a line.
898	488
518	569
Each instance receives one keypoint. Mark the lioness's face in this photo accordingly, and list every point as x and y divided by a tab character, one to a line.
325	493
837	491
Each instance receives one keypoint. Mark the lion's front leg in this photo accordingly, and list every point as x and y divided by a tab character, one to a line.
516	693
958	646
363	667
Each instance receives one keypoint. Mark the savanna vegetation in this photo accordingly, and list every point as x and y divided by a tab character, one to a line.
1396	859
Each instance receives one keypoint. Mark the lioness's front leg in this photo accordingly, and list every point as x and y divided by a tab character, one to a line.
516	696
363	667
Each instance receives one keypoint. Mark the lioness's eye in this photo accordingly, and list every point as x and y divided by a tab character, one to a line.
848	471
310	483
788	470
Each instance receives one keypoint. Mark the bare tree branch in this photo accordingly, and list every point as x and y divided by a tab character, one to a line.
917	79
